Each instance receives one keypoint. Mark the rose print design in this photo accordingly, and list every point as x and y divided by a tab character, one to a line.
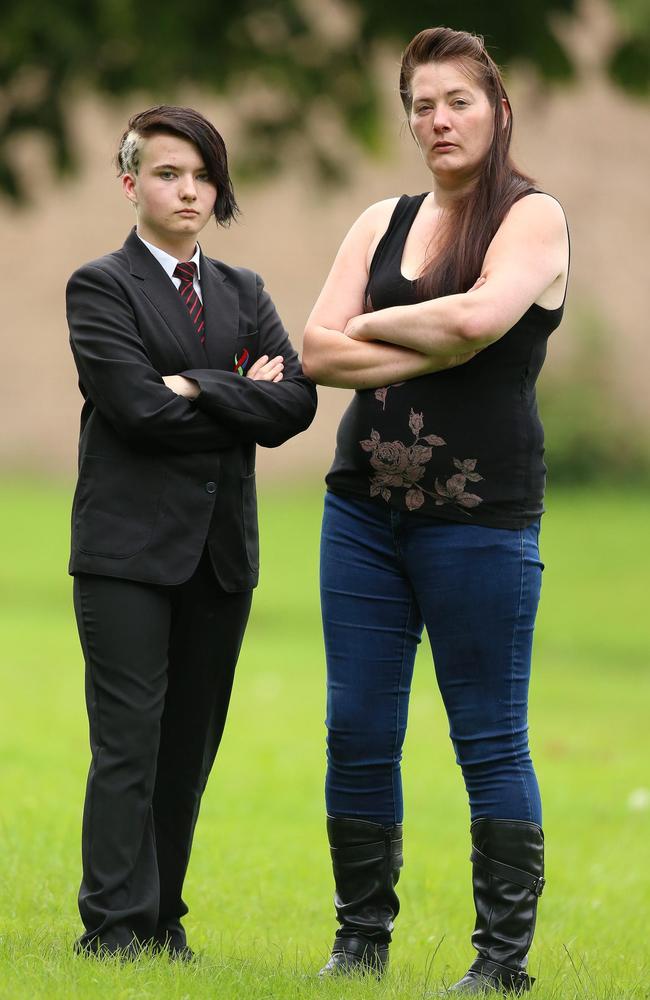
400	466
381	393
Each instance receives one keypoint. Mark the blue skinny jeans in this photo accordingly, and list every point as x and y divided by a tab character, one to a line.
385	574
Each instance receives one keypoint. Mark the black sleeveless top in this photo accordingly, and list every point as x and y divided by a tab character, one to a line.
465	444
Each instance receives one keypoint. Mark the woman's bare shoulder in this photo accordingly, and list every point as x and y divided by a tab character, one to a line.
539	207
377	216
371	226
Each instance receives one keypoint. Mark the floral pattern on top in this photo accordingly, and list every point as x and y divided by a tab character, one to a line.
382	392
400	466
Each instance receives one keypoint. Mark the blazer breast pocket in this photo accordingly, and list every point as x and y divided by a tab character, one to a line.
115	506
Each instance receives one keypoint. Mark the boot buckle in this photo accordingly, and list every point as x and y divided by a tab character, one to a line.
537	885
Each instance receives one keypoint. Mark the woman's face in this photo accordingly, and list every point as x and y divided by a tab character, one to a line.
452	120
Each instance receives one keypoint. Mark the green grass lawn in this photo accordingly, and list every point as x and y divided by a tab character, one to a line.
259	885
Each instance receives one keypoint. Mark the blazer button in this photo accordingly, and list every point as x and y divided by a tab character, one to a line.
210	487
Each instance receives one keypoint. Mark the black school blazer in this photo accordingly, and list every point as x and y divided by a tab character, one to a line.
159	476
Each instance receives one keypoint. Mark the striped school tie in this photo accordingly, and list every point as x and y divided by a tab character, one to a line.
186	271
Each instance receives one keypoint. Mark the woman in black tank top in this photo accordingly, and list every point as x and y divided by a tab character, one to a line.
437	312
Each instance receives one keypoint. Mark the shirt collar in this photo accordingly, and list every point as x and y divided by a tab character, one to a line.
167	262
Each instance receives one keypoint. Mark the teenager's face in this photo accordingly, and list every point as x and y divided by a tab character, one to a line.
451	119
171	191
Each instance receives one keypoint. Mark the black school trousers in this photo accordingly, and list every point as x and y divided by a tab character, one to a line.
160	662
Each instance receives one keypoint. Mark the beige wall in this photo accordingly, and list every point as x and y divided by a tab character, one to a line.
587	145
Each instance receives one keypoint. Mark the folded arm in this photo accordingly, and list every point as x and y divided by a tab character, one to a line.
267	409
116	373
528	255
330	355
335	359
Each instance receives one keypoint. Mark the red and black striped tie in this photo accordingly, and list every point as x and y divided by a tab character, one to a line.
186	271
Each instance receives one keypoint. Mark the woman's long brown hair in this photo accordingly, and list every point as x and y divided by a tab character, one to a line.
470	225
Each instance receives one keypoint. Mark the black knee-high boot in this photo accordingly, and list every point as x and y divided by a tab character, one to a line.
508	878
366	859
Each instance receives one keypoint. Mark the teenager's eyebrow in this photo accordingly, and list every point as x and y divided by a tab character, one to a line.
172	166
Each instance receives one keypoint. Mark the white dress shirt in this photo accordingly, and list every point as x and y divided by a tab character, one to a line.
168	263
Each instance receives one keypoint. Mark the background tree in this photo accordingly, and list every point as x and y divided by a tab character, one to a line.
285	64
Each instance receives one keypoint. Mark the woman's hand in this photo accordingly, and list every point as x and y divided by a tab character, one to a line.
360	327
182	386
267	369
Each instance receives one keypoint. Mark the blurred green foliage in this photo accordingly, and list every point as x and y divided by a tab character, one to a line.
283	62
630	62
591	432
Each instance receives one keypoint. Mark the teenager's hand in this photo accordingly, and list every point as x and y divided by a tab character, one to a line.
182	386
267	369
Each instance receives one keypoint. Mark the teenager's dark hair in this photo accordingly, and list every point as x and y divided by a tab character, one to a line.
187	124
472	222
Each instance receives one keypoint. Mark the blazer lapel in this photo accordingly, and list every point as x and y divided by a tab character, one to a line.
162	295
221	311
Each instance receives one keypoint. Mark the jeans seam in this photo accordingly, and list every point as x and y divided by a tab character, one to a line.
398	701
395	523
515	630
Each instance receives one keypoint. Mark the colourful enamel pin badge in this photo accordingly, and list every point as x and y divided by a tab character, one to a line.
241	362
